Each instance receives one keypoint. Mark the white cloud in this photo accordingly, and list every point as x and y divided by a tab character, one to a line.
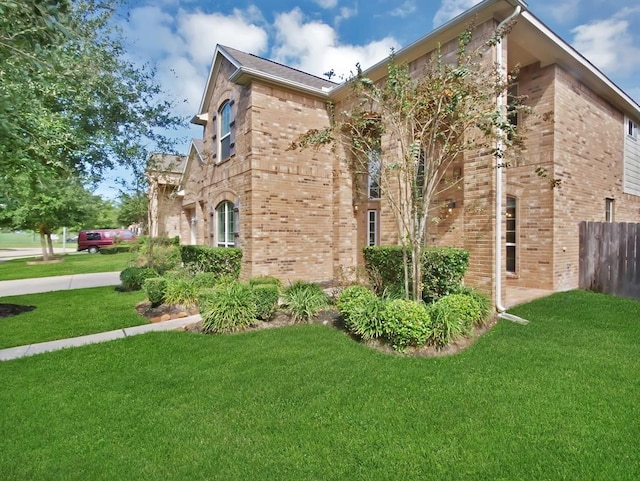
562	11
407	8
314	47
451	9
327	3
608	44
203	31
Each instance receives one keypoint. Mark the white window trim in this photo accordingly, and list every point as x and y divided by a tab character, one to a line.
229	212
376	228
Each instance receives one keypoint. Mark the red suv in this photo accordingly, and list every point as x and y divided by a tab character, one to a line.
93	240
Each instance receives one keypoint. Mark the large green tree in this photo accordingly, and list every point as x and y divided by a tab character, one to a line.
71	101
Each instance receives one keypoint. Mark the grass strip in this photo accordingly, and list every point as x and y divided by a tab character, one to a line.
64	314
79	263
555	399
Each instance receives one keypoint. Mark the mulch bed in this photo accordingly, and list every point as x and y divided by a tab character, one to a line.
7	310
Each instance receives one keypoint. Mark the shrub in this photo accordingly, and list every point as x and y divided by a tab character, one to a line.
155	288
443	270
266	298
362	312
116	249
133	278
181	291
223	261
453	316
406	323
227	308
265	280
304	300
483	304
203	280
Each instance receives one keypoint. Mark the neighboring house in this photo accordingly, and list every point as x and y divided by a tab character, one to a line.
296	216
164	174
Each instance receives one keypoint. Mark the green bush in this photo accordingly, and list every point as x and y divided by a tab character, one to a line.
155	288
163	257
453	317
181	291
406	323
304	300
265	280
228	307
483	305
443	270
116	249
266	297
362	312
133	278
223	261
203	280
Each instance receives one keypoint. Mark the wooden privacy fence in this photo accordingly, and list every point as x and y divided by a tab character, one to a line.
610	258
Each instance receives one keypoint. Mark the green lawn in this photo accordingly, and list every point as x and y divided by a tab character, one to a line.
555	399
29	239
81	263
63	314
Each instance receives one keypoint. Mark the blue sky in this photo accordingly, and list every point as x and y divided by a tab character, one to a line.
179	36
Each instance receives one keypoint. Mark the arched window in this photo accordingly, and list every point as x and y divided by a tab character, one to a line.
226	224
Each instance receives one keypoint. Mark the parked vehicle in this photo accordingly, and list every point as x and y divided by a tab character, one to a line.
94	240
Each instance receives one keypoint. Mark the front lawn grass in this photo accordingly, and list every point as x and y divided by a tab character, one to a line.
555	399
80	263
63	314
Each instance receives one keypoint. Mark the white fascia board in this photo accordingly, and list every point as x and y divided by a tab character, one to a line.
242	71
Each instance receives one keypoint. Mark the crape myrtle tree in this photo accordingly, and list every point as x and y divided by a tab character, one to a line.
72	104
416	125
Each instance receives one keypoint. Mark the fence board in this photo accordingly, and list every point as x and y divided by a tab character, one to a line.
609	258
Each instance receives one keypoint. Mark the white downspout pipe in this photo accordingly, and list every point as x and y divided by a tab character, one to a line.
498	207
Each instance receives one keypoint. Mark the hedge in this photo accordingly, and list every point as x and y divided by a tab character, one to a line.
443	269
223	261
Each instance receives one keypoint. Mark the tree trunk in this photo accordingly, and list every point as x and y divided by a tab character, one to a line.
43	242
49	244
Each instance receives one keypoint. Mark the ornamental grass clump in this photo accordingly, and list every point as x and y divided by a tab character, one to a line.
362	312
304	300
179	291
228	307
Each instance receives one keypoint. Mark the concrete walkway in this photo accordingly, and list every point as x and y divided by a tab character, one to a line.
77	281
32	349
58	283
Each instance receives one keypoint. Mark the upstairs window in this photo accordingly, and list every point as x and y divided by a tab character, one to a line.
375	172
224	132
632	129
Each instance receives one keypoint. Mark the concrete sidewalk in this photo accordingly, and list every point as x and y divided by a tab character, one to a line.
77	281
58	283
32	349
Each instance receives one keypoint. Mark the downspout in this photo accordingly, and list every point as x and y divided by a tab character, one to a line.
502	314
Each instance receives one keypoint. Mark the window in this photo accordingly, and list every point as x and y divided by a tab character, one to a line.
226	224
512	103
92	236
632	129
225	131
372	227
609	209
511	235
375	171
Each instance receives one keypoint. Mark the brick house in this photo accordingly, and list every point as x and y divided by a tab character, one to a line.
296	216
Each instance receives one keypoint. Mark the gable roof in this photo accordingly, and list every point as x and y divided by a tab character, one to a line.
159	162
249	66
